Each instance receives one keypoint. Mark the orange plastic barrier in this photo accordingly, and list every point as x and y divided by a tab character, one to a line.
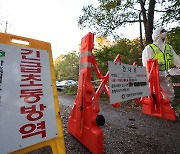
84	120
157	104
104	79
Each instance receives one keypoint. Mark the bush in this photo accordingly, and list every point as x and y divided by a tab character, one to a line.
70	90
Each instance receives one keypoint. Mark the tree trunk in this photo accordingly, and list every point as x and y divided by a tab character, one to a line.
148	19
148	33
140	30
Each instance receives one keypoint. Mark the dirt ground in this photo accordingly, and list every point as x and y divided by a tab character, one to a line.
126	131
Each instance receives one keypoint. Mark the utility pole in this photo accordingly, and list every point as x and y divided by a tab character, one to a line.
6	27
6	24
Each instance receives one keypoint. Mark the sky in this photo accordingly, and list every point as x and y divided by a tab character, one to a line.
53	21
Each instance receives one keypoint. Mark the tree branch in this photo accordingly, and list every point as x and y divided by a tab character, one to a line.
131	21
125	21
143	11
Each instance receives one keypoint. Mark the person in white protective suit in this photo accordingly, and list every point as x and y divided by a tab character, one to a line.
166	57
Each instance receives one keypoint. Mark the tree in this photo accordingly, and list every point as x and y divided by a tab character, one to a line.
172	12
129	50
57	66
174	39
111	14
101	42
67	66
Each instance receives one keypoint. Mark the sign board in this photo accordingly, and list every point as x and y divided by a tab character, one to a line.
127	82
27	108
174	71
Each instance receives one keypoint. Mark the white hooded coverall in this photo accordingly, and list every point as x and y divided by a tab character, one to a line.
148	53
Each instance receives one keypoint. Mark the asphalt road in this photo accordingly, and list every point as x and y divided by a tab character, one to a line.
126	130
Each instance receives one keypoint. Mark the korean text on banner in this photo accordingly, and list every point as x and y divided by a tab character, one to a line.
127	82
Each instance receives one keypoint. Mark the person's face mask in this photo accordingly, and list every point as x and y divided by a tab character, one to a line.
163	35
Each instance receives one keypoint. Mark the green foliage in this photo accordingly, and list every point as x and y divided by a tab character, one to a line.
110	15
70	90
67	66
103	97
129	50
57	66
174	39
172	12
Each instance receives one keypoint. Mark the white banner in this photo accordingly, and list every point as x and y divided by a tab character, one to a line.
27	112
127	82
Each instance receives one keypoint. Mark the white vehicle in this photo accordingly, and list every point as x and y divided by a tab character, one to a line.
59	85
65	83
